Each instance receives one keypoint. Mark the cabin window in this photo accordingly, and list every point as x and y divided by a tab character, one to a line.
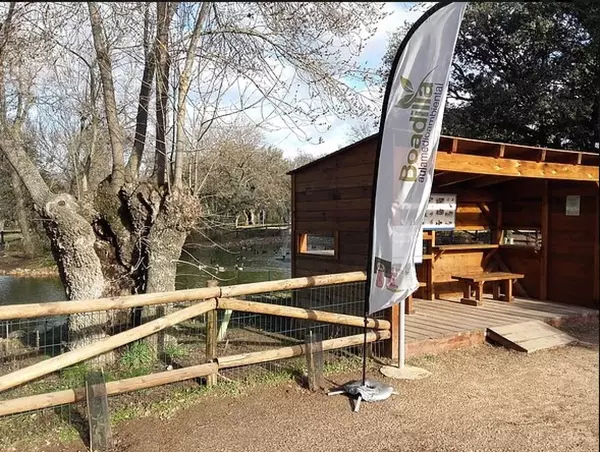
318	244
527	238
462	237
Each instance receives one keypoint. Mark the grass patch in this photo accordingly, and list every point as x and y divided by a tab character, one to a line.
73	377
342	365
176	351
67	434
137	360
123	414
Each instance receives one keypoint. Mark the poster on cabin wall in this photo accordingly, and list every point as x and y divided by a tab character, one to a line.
410	129
419	249
440	214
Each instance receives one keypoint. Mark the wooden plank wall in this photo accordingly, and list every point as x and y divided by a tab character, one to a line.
452	262
524	260
336	195
571	253
522	209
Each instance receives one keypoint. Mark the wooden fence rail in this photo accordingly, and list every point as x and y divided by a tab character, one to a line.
214	298
301	313
34	310
48	400
110	343
102	346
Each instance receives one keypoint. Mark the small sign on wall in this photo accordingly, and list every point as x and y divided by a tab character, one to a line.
419	249
441	212
573	205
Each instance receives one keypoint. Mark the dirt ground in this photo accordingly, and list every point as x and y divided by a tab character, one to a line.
483	398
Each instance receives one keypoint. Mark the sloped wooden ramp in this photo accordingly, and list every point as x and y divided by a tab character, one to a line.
529	336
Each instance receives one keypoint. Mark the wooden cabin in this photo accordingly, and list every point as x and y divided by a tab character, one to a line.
521	209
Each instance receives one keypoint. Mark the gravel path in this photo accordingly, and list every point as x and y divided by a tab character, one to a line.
479	399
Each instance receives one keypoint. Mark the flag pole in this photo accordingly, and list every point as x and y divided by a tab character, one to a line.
402	335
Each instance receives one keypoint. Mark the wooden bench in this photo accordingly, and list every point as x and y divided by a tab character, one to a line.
477	280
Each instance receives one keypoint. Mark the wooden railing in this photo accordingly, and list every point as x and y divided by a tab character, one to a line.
33	310
205	300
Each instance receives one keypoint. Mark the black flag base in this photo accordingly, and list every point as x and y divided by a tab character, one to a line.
367	390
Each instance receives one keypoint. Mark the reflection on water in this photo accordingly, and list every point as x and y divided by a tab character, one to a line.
244	265
29	290
200	263
240	264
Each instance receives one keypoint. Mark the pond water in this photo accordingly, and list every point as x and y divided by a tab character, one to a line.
249	258
29	290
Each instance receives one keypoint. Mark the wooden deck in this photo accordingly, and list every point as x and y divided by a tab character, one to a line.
442	324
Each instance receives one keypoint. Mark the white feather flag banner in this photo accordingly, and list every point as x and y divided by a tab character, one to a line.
409	134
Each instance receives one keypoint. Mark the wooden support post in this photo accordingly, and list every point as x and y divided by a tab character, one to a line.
545	230
392	351
596	289
211	337
293	232
430	273
467	291
409	305
509	290
496	289
314	362
479	292
303	243
97	412
499	232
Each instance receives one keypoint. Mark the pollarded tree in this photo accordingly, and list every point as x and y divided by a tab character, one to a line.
124	233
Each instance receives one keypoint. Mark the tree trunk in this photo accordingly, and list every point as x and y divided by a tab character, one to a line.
21	210
73	244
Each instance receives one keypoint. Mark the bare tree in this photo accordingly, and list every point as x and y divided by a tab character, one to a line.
281	65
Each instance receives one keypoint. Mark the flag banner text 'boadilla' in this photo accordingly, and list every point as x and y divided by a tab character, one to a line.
410	132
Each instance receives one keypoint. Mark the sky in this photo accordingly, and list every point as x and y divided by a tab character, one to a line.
339	134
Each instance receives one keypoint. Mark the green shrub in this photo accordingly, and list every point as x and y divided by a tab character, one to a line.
137	360
175	351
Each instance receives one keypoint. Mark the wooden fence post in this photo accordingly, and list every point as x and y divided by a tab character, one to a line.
97	410
314	362
211	336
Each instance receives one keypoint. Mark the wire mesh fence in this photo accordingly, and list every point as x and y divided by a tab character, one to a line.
26	342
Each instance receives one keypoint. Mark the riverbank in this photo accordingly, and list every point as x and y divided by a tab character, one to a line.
15	263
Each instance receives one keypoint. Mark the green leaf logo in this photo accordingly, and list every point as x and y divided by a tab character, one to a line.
406	84
407	100
411	94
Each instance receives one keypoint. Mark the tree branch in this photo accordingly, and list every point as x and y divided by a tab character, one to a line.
141	121
27	171
108	90
164	13
184	86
